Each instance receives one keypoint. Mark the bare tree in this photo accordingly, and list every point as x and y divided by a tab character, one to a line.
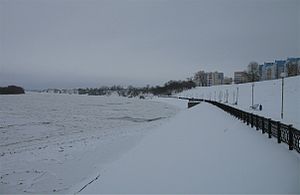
292	69
253	72
200	78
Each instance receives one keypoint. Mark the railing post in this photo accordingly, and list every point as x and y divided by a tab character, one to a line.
291	138
269	128
263	125
247	115
256	122
278	132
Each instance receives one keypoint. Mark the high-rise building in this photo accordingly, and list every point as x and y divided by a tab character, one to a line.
279	67
240	77
215	78
269	71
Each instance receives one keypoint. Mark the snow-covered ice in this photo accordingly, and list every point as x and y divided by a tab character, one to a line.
202	150
50	142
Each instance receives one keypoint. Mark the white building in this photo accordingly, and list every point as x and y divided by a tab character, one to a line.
215	78
269	71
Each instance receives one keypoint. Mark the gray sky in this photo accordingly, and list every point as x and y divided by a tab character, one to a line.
71	43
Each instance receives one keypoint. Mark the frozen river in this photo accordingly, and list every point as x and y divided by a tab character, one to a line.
50	142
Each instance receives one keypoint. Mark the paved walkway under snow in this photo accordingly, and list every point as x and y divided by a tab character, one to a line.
203	150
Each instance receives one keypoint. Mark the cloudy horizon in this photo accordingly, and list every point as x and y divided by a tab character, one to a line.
75	43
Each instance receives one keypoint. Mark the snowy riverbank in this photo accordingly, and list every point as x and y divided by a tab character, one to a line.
201	150
266	93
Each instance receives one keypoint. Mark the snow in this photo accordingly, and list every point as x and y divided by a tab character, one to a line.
46	137
182	104
81	144
202	150
266	93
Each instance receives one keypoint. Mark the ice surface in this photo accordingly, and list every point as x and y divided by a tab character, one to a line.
50	142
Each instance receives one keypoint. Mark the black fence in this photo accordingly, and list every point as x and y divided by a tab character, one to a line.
284	133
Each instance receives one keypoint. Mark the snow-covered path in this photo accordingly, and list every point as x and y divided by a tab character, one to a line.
202	150
267	93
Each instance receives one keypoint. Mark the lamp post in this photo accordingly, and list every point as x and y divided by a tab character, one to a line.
226	96
215	96
237	95
233	98
282	75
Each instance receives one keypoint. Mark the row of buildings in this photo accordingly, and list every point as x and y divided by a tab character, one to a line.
254	72
268	70
202	78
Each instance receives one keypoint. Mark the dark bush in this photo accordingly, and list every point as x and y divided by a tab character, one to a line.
12	90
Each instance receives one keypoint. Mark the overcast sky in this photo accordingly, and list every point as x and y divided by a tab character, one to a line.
71	43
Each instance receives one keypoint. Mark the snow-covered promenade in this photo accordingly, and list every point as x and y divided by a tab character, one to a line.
202	150
267	93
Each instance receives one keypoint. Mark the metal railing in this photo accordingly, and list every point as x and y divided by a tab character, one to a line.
284	133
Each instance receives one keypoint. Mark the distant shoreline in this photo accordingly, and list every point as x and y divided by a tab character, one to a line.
11	90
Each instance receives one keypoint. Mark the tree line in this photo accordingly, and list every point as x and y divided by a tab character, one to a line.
168	88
